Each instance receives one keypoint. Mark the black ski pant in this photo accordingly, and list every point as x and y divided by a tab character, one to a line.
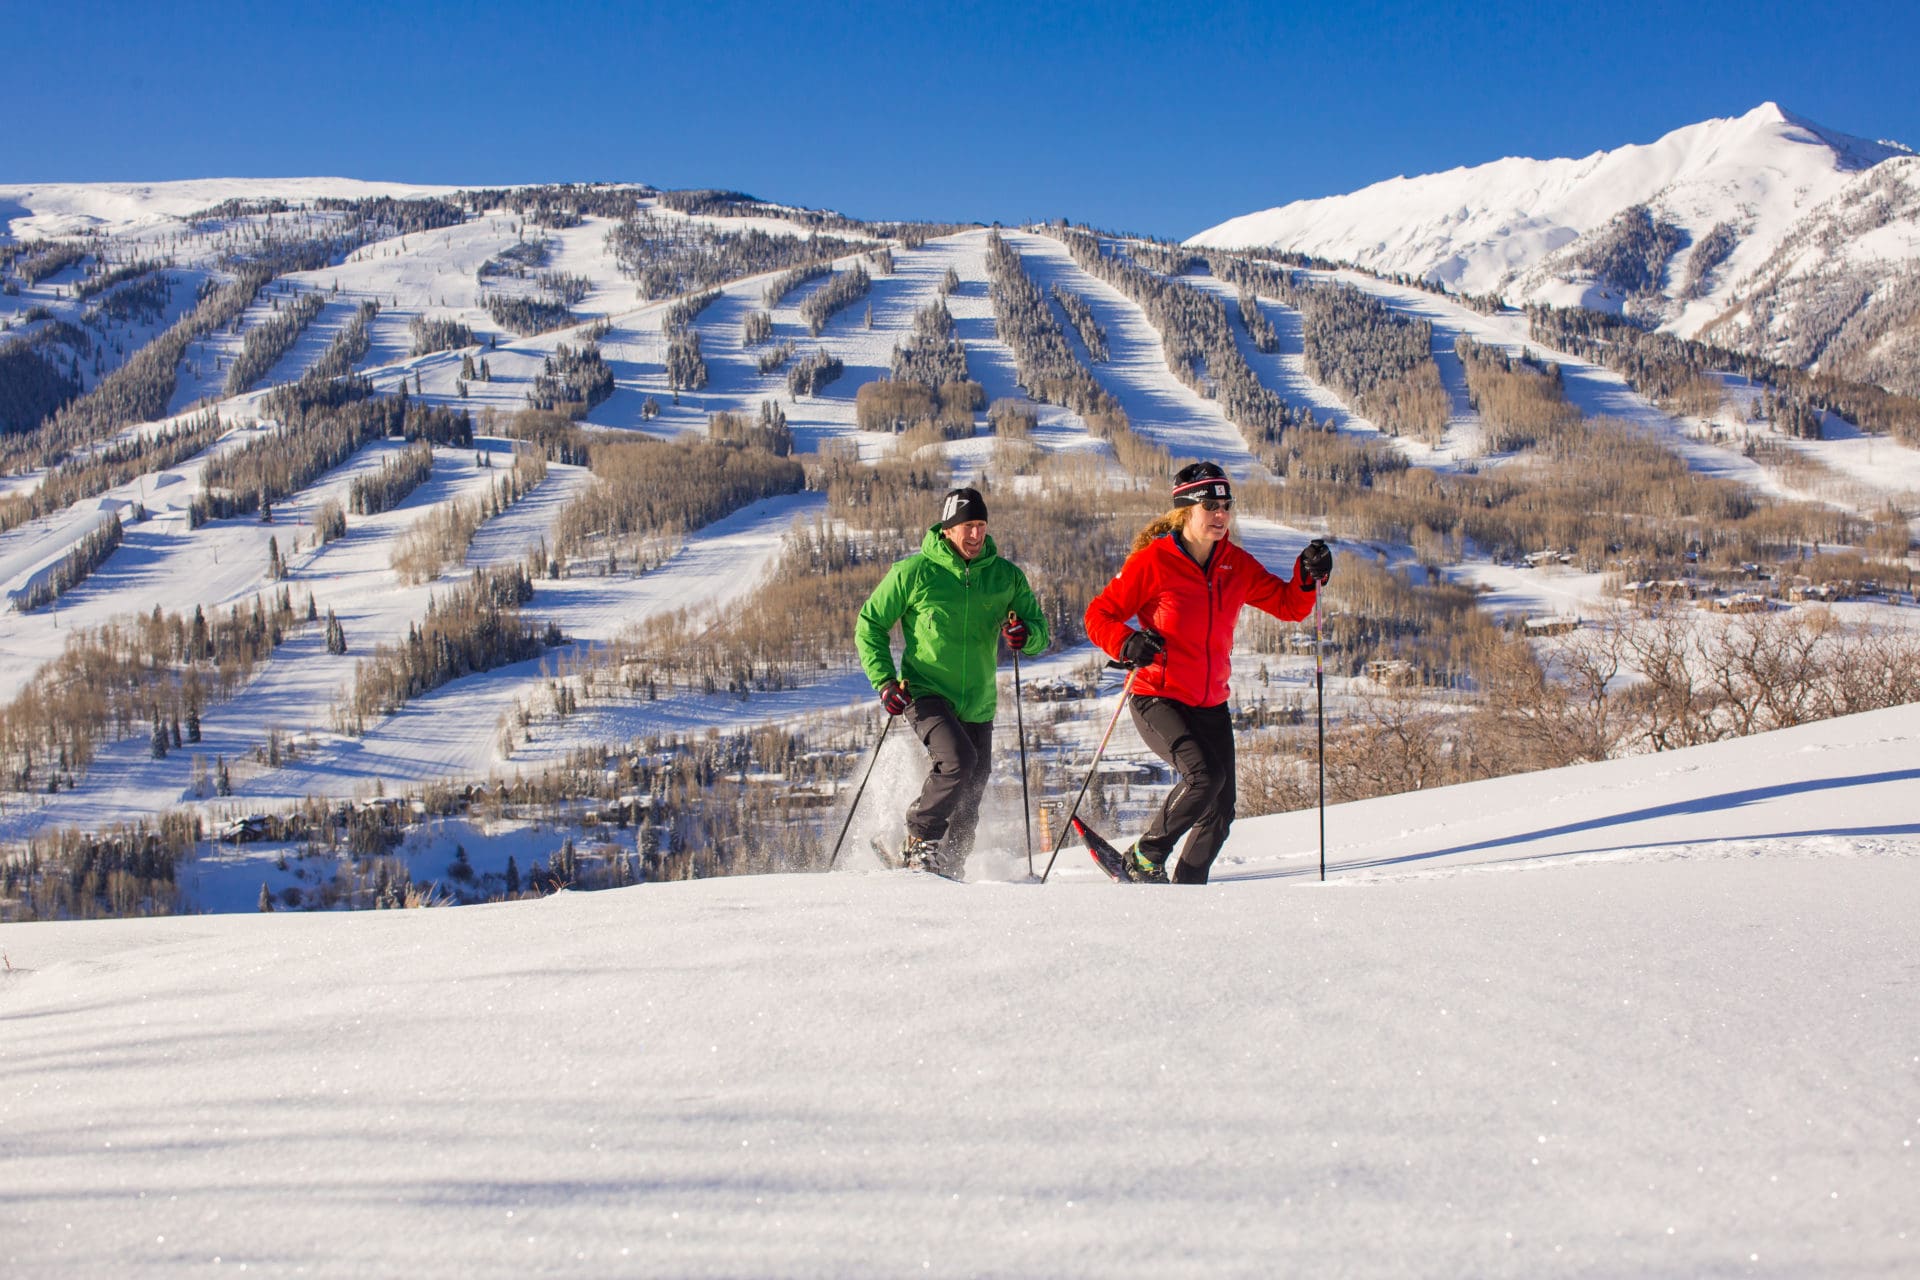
961	752
1198	743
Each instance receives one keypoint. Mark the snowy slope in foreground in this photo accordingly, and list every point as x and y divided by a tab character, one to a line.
1686	1047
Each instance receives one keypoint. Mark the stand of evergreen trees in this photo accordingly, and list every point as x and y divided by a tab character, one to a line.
1044	360
573	382
319	433
787	281
348	348
1198	339
105	468
477	626
683	313
1046	366
526	316
399	475
669	256
564	287
1713	248
431	335
840	292
771	360
100	281
1630	254
140	389
1380	363
87	555
41	259
1259	328
1663	367
812	373
559	204
266	342
388	216
33	384
685	367
1092	335
737	204
932	356
143	301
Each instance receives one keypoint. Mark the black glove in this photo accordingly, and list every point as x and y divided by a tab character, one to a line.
1142	648
894	697
1014	633
1314	565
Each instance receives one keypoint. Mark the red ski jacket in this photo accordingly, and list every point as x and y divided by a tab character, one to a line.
1193	609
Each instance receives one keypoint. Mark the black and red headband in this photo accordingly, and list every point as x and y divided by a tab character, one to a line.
1200	482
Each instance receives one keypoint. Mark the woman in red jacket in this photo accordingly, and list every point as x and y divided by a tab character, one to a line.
1186	582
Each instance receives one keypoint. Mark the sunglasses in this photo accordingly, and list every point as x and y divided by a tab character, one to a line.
1216	504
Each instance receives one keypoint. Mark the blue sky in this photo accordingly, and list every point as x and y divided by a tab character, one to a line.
1161	118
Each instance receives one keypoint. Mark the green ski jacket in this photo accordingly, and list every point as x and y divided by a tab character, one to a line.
950	613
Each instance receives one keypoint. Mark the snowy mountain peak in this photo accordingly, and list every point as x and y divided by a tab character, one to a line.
1849	152
1715	202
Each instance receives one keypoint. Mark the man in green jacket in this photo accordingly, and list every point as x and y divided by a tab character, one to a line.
953	601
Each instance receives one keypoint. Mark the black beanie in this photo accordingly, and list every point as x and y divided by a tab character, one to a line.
960	506
1200	480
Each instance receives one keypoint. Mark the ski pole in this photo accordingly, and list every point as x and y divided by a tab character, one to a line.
1066	823
1020	725
852	808
1320	717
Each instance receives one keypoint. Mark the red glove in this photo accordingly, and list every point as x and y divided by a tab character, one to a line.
894	697
1014	633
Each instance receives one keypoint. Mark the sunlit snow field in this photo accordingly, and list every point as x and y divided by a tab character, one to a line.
1651	1017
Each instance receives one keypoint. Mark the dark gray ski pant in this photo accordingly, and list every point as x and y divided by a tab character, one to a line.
1198	743
961	752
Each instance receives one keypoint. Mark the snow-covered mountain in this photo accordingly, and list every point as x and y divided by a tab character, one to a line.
1764	231
32	211
237	765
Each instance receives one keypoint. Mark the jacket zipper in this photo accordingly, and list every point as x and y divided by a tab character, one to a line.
966	624
1206	580
1206	575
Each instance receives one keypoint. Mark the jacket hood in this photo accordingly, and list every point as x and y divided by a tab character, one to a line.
935	547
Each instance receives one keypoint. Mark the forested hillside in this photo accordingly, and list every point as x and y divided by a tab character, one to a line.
352	538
